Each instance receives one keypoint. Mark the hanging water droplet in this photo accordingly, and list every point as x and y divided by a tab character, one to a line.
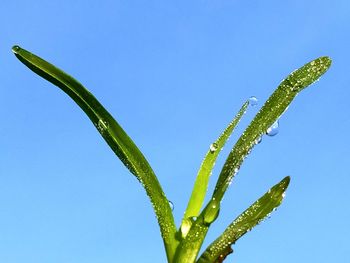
15	49
213	147
186	226
171	205
253	101
258	140
273	129
212	211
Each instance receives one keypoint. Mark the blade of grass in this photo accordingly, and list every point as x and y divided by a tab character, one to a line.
274	107
251	217
201	184
116	138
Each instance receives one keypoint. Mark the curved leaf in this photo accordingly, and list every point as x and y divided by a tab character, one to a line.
273	108
221	247
114	135
201	184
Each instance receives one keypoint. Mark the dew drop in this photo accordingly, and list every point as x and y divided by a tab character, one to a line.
102	126
171	205
213	147
15	49
273	129
258	140
185	227
253	101
212	211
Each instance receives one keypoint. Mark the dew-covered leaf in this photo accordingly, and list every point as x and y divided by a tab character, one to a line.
114	135
273	108
201	184
259	210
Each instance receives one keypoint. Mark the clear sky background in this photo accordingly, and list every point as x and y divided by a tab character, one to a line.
173	73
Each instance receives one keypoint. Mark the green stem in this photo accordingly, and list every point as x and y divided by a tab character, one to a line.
189	247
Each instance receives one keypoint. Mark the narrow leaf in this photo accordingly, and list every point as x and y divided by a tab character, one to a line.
201	184
114	135
261	209
274	107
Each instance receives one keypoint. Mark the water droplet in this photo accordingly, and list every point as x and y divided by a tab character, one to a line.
253	101
273	129
186	226
213	147
171	205
211	211
102	126
258	140
15	49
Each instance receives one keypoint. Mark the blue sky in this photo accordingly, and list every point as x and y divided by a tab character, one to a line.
173	73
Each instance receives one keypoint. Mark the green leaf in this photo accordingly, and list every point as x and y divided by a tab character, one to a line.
274	107
114	135
201	184
258	211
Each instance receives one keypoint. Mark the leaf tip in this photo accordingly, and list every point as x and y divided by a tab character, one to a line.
16	49
325	62
287	179
285	182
